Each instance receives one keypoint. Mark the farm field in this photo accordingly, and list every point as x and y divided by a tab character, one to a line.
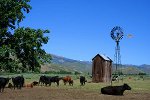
91	91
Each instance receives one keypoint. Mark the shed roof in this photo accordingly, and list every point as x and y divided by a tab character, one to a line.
103	56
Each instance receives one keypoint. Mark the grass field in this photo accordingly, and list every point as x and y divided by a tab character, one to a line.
91	91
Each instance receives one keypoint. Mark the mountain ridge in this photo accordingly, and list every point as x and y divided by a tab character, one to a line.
67	64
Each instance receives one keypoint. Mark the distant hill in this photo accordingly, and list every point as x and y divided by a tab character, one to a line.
62	63
145	68
75	65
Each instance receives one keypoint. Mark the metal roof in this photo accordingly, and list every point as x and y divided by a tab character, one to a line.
104	57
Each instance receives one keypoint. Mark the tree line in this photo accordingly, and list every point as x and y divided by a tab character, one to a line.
20	47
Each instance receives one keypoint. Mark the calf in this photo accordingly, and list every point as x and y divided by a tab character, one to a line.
29	85
35	83
115	90
82	80
3	83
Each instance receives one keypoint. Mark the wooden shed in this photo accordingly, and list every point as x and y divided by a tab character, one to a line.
101	68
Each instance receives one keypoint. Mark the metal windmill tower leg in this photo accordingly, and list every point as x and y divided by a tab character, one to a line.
117	58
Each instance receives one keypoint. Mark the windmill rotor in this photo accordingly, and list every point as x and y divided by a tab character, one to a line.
117	33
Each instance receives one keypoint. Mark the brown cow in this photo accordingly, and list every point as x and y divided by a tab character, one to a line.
29	85
67	79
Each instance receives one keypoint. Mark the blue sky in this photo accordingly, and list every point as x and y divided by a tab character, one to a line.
80	29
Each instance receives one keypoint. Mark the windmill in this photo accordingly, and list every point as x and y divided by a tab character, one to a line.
117	34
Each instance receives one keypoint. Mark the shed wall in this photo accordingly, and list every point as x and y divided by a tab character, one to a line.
101	70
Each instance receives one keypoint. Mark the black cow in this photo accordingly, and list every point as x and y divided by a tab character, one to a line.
48	80
54	79
35	83
3	83
43	80
115	90
82	80
18	82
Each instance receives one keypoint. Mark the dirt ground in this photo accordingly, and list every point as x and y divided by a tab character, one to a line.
56	93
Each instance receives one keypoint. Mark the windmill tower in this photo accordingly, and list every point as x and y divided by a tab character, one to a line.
117	34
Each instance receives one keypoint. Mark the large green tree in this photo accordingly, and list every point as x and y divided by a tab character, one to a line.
23	44
28	47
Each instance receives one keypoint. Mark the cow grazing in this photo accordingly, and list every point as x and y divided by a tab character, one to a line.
3	83
18	82
115	90
55	79
44	80
48	80
67	79
82	80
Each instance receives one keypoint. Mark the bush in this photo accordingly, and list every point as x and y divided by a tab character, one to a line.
142	73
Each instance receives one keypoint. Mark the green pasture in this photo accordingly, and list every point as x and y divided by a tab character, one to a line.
137	83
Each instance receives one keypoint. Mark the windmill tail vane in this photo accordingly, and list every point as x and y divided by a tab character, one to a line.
129	36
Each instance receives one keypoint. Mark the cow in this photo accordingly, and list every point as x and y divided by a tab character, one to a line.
18	82
48	80
35	83
42	80
115	90
67	79
82	80
54	79
29	85
3	83
115	78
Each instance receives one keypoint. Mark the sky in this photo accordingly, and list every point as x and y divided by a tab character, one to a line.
80	29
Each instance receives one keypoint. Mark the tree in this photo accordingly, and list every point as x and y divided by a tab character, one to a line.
25	43
11	13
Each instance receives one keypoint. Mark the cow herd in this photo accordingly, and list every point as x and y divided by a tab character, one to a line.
19	82
47	80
